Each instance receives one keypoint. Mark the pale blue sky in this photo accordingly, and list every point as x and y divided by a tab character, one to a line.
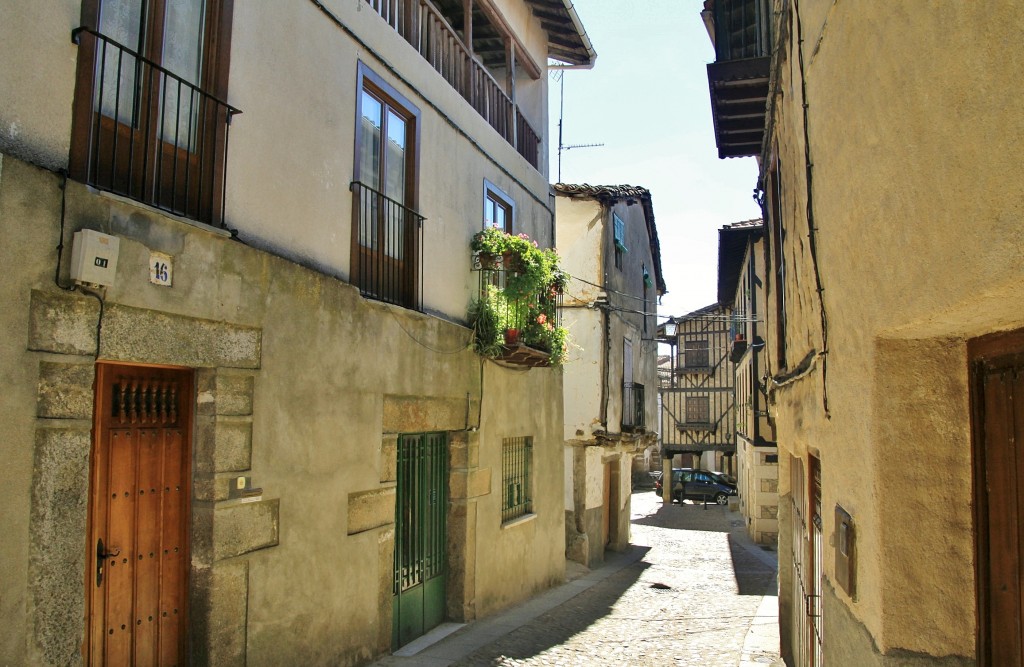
646	100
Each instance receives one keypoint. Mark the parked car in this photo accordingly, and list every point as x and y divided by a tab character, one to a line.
723	477
692	484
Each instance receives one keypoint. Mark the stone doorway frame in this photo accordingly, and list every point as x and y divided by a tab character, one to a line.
226	360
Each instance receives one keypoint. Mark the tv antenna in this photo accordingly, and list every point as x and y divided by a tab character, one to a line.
561	114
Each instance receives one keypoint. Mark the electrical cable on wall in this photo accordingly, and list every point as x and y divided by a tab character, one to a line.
60	254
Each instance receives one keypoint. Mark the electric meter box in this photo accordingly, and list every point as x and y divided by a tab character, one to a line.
94	257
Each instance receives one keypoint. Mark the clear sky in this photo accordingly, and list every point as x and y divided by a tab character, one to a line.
646	100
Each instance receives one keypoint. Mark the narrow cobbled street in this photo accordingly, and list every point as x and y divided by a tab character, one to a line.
692	591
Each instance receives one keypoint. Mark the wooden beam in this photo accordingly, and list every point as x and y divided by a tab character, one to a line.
498	21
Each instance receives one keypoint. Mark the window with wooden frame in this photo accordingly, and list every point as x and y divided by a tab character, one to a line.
619	239
698	410
386	227
150	120
516	462
499	209
695	353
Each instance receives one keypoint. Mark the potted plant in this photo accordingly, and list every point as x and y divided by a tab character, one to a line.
489	244
522	309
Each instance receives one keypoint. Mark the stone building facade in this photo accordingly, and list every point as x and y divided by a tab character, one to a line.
265	344
609	244
892	195
741	280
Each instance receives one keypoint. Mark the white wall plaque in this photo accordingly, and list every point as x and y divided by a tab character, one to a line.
160	269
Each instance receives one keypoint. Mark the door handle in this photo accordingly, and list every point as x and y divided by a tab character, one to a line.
101	555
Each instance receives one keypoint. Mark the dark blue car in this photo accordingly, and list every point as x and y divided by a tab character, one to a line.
691	484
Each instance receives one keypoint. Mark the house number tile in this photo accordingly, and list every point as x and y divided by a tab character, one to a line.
161	269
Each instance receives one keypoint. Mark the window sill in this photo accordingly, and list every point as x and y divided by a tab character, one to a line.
156	211
519	520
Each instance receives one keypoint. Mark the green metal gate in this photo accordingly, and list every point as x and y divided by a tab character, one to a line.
420	513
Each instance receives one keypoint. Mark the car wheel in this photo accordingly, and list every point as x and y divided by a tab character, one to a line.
722	499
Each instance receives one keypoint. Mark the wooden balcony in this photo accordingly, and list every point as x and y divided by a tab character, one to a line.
429	31
738	79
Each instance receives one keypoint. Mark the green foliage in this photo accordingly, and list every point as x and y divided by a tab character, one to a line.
487	326
527	300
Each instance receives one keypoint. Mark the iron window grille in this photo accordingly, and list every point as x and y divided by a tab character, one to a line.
516	461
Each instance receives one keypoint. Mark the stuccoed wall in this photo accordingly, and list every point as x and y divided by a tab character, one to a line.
290	159
517	559
39	63
580	235
303	385
914	261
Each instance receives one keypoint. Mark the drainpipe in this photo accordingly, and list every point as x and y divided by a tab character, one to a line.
755	388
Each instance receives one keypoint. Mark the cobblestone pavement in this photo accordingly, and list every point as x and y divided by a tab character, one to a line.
687	594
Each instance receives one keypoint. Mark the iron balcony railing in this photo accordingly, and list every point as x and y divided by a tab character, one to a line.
430	33
146	133
522	320
633	406
387	236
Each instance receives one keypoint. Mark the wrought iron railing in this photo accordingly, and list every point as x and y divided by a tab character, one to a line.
146	133
429	32
522	320
388	258
633	416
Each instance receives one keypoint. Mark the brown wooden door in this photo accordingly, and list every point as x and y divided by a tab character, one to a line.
999	506
606	506
138	552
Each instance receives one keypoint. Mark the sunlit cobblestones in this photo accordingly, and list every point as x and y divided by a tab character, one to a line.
689	601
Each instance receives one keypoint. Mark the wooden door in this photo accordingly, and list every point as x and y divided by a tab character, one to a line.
799	547
814	602
138	550
606	514
613	502
998	421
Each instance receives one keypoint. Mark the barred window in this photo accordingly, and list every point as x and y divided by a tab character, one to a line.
516	459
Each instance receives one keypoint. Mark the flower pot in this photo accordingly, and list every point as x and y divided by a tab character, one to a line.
513	262
511	336
488	261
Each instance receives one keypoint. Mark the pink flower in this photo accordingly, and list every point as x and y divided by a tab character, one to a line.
542	318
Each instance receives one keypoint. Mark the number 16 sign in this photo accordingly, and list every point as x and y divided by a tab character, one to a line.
160	269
